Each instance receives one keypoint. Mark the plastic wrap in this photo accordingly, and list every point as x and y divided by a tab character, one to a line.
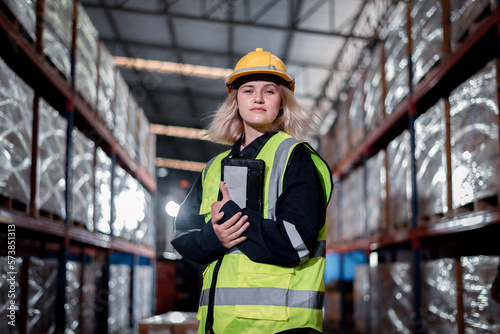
430	155
16	117
57	34
439	296
372	89
474	138
132	145
86	64
102	209
481	313
396	63
25	12
356	116
398	154
145	232
107	86
352	206
361	297
391	304
42	291
119	297
332	211
92	272
51	160
341	129
427	36
143	292
5	287
376	195
144	137
462	14
83	179
73	305
121	110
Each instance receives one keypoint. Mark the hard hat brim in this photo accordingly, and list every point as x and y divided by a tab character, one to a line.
235	78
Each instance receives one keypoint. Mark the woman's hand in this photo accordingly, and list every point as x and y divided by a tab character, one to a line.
229	232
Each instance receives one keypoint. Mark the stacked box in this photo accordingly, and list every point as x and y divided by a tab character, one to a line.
143	292
439	296
356	116
25	12
73	305
352	209
42	291
396	63
7	286
121	110
16	117
132	144
83	179
145	232
119	297
92	273
102	207
144	141
430	155
399	180
427	36
376	195
51	160
332	211
463	13
361	297
474	138
391	292
481	312
373	91
57	34
86	57
341	128
327	147
107	87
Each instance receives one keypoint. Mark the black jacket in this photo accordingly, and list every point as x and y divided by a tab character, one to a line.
301	203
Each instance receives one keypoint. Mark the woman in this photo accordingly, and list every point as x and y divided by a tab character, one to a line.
265	269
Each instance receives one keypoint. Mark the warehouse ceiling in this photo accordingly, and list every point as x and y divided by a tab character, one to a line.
319	41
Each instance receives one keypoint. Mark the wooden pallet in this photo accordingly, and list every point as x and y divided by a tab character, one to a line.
13	204
478	205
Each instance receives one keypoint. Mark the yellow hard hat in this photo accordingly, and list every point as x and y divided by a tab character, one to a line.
260	62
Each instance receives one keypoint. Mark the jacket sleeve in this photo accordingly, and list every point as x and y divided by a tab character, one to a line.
300	214
194	239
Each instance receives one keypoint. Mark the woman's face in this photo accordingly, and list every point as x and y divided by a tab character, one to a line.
259	104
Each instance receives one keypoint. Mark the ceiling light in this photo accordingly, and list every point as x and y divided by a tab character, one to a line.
178	131
191	166
170	67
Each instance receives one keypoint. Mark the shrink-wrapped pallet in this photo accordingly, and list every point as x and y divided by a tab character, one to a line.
361	298
341	129
463	13
356	116
25	13
439	296
86	57
83	179
391	303
352	206
395	39
481	312
332	212
143	292
107	87
143	140
102	208
121	110
376	195
132	145
73	290
144	216
427	36
430	155
57	34
91	276
51	160
372	89
10	294
42	291
16	117
399	181
119	297
474	138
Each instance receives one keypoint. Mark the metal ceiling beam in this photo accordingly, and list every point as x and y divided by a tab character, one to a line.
219	21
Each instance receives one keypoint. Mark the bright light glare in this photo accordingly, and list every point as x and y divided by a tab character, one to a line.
172	208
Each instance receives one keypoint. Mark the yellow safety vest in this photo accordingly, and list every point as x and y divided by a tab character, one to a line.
253	297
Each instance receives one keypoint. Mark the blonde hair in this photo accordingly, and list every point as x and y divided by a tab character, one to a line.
227	124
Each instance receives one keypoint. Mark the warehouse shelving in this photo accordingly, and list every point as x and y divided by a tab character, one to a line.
454	226
36	234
